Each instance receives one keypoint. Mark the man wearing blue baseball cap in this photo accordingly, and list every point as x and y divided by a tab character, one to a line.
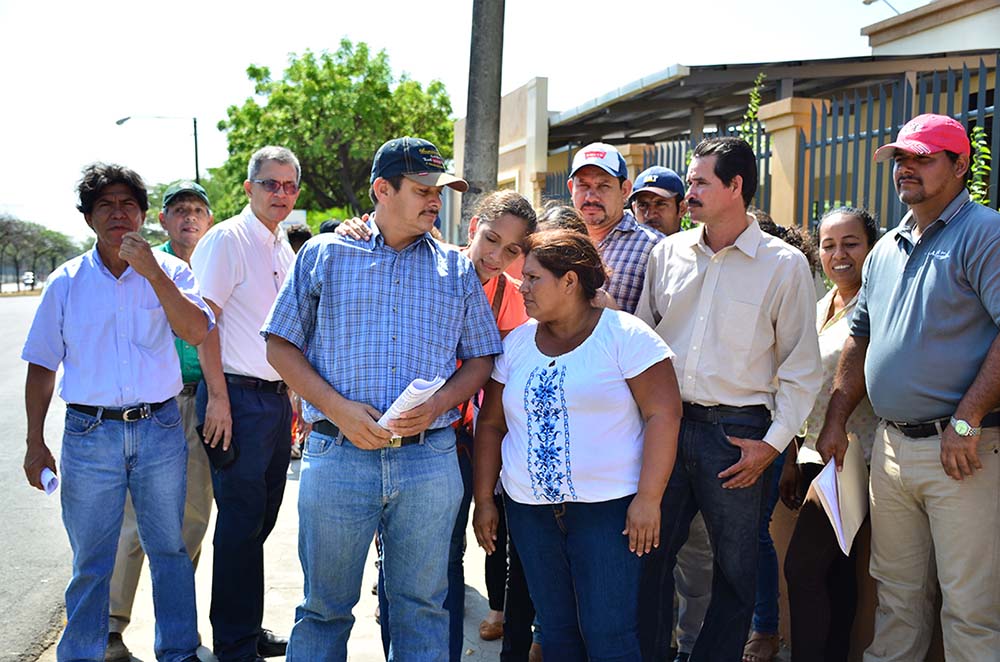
657	199
599	184
408	307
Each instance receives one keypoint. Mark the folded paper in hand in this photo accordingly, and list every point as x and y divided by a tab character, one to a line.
417	393
844	495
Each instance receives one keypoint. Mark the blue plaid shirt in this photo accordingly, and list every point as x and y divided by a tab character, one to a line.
625	251
371	319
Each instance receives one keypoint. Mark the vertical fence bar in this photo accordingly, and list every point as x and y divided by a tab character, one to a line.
921	94
845	138
981	96
767	172
856	142
815	153
800	183
995	146
950	95
936	93
870	100
821	152
963	118
831	194
879	169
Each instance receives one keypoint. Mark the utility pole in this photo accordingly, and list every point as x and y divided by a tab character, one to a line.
482	115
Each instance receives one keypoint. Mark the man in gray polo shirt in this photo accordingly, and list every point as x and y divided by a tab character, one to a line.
924	342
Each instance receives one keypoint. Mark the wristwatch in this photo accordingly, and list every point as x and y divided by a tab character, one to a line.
963	429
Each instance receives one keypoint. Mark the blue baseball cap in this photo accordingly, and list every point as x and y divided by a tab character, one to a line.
604	156
415	159
664	182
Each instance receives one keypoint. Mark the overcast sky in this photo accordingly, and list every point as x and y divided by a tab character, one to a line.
72	69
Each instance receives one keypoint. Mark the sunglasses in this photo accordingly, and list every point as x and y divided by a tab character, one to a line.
273	186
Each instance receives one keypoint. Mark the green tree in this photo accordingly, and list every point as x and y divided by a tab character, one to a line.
333	110
979	183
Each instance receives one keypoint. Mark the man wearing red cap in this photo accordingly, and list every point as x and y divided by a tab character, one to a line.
924	345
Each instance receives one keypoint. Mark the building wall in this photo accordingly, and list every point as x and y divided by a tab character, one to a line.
981	30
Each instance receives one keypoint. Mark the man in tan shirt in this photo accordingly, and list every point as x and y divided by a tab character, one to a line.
737	306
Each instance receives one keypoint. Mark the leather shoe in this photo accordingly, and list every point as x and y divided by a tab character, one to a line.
271	645
116	650
490	631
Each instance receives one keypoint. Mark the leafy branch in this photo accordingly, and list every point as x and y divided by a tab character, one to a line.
979	184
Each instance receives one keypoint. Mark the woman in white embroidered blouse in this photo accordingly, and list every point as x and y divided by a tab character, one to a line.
822	585
584	409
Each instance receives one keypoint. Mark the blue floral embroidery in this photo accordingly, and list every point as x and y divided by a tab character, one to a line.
548	457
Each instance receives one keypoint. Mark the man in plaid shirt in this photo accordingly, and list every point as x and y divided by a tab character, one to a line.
599	186
407	307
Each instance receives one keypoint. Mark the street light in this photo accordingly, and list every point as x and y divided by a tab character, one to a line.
194	122
871	2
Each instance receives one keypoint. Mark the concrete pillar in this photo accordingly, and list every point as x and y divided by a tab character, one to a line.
482	125
634	156
784	120
697	124
537	184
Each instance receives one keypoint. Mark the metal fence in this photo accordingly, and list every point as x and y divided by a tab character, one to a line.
835	160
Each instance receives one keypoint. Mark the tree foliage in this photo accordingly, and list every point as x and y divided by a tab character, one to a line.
979	183
32	247
333	110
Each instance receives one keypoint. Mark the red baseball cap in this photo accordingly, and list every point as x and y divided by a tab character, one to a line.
927	134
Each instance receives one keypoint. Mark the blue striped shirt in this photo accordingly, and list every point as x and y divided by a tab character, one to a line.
625	251
371	319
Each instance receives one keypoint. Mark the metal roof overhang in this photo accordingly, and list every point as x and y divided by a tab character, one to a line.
660	106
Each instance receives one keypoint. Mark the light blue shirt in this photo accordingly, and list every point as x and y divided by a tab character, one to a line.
930	308
111	335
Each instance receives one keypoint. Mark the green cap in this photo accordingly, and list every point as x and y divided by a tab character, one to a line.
184	187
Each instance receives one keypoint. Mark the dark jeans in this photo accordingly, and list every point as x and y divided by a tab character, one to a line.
518	609
732	517
822	585
248	495
454	602
765	613
583	579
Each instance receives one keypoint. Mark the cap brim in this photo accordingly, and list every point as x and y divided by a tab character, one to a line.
662	192
439	179
603	167
187	191
886	152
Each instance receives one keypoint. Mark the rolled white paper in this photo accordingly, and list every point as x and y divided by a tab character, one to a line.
49	481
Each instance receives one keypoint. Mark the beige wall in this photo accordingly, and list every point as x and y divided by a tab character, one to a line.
980	30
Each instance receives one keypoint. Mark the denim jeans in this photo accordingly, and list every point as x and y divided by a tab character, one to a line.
454	602
732	517
100	461
765	613
248	494
411	494
583	579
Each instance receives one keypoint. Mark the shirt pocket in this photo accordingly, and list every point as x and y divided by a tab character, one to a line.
444	317
739	326
150	328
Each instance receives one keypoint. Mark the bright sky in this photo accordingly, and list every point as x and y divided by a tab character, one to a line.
72	69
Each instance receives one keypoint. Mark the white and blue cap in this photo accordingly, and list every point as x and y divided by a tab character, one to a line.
604	156
664	182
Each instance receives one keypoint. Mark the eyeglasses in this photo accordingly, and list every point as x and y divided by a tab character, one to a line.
273	186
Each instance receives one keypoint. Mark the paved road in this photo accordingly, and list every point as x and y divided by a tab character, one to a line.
36	557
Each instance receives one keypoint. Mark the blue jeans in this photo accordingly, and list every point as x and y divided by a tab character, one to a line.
411	494
454	602
100	460
583	579
765	613
732	517
248	494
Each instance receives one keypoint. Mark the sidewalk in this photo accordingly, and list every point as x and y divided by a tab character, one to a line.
283	591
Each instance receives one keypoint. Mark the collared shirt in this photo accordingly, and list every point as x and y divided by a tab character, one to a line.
240	266
110	334
742	322
371	319
930	309
186	352
625	251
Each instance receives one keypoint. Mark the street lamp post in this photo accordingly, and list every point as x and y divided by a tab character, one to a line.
194	123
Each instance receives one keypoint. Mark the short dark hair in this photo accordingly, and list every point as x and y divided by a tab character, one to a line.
395	181
97	176
298	234
968	171
866	217
498	203
556	216
561	251
734	156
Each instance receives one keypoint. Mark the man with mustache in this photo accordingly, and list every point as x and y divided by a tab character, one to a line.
186	217
408	306
924	346
240	265
599	184
738	307
109	317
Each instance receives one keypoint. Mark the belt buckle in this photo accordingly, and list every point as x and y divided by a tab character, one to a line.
395	441
133	414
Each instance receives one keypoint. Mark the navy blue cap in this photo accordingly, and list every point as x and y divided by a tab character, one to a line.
664	182
415	159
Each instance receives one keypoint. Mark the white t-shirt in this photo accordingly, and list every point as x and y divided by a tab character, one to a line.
240	265
574	431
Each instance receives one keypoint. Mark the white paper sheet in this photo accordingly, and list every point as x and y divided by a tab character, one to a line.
844	495
417	393
49	481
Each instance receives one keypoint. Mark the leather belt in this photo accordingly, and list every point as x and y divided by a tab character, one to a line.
931	428
189	389
329	429
255	384
717	413
127	414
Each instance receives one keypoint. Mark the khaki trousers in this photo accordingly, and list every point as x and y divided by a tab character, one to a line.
197	509
928	528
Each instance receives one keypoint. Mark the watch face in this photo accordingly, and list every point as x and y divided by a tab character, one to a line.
962	428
